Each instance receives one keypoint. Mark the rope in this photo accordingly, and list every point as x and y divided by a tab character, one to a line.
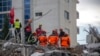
29	37
7	36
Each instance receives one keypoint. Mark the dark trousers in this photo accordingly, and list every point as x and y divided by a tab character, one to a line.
17	33
27	34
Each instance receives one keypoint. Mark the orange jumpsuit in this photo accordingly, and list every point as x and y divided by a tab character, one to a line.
53	40
42	40
65	42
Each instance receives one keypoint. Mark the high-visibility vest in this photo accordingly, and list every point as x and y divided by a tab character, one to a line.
53	40
17	24
42	40
65	42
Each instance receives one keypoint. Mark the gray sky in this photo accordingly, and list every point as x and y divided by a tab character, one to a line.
89	12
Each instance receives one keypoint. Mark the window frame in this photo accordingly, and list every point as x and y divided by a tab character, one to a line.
5	4
66	15
2	19
38	14
27	10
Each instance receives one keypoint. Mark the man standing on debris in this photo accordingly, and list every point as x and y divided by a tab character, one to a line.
43	39
27	32
28	29
61	34
17	25
65	41
53	39
39	30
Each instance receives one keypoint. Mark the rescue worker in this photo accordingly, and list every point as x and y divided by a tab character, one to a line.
39	30
43	39
27	32
61	34
17	25
28	29
65	41
56	32
33	39
53	39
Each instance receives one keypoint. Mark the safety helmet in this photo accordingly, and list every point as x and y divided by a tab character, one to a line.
17	19
40	24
